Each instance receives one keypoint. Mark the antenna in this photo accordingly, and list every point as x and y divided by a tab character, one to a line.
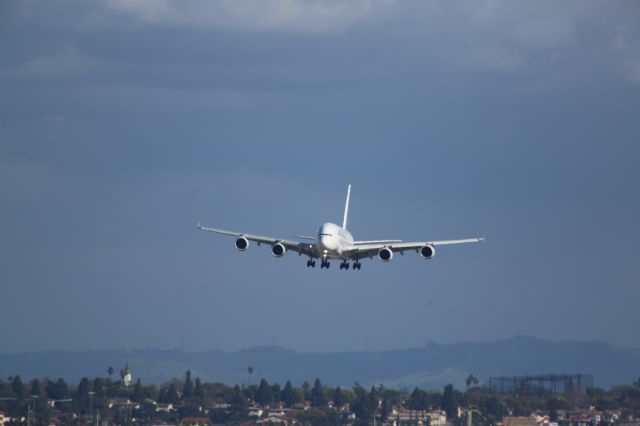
346	208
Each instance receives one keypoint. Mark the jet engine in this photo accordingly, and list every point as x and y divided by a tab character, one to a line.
242	244
427	252
278	249
385	254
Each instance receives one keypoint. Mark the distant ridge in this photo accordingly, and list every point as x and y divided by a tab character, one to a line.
431	366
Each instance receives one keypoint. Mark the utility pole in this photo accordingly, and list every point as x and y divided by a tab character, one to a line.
31	410
91	406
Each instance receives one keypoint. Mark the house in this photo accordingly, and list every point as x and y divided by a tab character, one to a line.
437	418
522	421
255	412
167	408
195	421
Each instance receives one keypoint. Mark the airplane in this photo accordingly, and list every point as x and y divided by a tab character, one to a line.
335	242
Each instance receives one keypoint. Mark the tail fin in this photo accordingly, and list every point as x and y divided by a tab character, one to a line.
346	208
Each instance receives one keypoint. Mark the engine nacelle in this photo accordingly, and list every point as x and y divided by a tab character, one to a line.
278	249
242	244
385	254
427	252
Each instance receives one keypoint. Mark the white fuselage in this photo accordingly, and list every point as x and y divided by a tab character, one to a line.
332	240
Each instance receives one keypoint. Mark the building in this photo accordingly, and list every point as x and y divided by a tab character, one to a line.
125	374
522	421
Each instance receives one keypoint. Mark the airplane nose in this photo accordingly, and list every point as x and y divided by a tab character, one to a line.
328	243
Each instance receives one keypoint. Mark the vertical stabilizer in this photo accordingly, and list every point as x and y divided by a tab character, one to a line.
346	208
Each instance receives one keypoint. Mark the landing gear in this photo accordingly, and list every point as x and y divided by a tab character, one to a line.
325	264
311	263
357	265
345	265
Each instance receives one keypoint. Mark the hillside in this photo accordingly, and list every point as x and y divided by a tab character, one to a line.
431	366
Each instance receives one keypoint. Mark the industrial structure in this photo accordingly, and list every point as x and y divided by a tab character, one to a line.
542	383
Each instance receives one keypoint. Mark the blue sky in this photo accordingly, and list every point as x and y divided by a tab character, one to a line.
124	123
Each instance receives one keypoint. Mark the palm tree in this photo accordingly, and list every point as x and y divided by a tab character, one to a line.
250	371
471	381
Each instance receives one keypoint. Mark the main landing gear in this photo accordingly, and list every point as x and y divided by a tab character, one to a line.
324	264
345	265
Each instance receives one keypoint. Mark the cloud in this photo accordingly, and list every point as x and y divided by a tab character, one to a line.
308	16
626	45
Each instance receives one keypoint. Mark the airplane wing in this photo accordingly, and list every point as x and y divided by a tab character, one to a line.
308	249
370	250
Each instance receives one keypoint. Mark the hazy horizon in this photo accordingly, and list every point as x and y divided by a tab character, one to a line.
186	349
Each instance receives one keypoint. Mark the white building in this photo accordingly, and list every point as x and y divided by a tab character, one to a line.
125	374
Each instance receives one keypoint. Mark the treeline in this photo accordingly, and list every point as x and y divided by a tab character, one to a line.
189	397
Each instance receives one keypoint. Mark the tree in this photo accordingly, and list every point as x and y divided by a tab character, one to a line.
138	392
450	401
288	395
99	387
236	398
36	389
338	398
275	392
418	400
471	381
306	394
187	389
317	395
198	390
250	371
84	387
362	406
58	389
263	395
17	387
373	395
552	408
110	371
172	394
